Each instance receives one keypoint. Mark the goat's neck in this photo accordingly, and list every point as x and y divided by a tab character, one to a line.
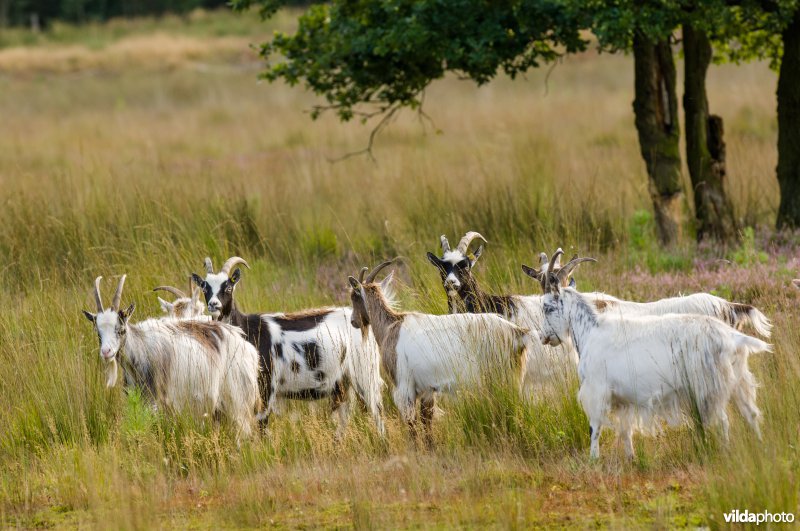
581	316
234	316
381	316
473	299
136	361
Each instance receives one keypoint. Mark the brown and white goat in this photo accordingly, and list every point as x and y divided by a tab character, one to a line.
426	354
202	368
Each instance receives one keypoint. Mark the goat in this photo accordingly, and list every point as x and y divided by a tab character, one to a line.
544	363
308	355
735	314
634	369
425	354
184	307
204	368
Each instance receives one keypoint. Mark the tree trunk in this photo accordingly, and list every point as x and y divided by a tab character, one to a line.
789	127
656	108
713	208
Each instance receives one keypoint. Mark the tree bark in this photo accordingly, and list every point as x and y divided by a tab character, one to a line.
789	127
713	208
656	108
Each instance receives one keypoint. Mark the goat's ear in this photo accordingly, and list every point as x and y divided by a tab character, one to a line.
532	272
477	255
236	276
166	307
432	258
572	283
386	282
354	283
127	312
89	315
198	280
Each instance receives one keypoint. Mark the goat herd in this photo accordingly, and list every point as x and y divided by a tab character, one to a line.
638	363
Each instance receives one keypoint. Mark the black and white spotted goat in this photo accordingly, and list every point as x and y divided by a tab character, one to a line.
206	369
544	363
308	355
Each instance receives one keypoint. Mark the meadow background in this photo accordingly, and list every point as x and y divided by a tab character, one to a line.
142	146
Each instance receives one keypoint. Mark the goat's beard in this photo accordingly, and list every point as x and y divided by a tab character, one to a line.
110	370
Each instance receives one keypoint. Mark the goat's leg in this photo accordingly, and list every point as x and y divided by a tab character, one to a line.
726	426
594	436
340	404
427	408
745	398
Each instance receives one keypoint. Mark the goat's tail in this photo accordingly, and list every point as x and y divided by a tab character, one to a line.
750	345
747	314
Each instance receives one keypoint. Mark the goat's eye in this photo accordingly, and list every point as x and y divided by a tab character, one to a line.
549	309
228	289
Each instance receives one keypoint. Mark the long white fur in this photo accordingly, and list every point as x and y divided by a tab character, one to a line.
697	303
636	368
198	381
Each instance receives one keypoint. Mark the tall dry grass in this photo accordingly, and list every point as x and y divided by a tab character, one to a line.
144	170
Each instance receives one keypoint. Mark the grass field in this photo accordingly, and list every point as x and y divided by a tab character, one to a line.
141	147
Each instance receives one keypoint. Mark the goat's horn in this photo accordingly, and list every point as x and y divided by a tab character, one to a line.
209	266
377	270
170	289
361	274
97	298
463	245
566	271
232	262
557	258
445	244
118	294
543	259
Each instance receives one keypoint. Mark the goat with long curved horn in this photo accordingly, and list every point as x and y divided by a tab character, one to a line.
377	270
463	245
232	262
564	273
445	244
170	289
97	299
118	294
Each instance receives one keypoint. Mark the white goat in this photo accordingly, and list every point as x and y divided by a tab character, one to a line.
183	307
203	368
544	364
735	314
426	354
634	369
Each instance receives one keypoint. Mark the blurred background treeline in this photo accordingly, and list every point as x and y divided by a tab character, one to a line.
38	14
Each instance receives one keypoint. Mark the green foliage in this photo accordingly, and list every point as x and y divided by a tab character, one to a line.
748	254
384	54
645	250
